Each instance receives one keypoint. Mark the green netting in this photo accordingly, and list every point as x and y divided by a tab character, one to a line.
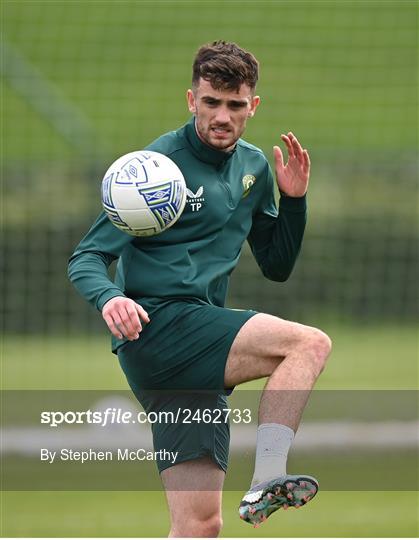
85	82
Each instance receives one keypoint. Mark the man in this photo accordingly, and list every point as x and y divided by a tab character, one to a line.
166	308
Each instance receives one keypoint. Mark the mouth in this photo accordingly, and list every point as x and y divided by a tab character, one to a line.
220	131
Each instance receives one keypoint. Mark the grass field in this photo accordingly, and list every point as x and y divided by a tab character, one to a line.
125	514
371	357
363	358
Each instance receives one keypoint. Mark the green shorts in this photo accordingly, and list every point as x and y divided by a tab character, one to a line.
177	367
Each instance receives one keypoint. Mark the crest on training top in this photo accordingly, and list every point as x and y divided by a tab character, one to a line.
248	181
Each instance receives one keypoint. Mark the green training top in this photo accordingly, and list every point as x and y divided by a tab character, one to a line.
230	199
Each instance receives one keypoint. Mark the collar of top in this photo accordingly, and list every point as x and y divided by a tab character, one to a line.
202	151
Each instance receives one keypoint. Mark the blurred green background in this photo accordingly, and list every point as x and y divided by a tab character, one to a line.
87	81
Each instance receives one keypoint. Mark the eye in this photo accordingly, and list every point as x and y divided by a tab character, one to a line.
236	105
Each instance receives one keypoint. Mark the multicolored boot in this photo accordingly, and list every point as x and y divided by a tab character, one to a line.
284	492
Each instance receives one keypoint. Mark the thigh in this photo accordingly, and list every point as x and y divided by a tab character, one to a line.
260	345
194	489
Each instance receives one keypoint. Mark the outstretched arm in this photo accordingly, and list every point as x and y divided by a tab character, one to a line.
276	236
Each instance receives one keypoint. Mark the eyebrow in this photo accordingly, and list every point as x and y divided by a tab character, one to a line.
234	102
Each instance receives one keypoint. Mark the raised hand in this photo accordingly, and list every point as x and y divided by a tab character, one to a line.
292	178
122	315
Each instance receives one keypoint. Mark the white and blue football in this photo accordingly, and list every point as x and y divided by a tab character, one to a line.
143	193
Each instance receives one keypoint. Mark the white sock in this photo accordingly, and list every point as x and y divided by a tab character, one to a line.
272	446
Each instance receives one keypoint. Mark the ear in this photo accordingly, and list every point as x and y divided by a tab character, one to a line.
191	101
254	105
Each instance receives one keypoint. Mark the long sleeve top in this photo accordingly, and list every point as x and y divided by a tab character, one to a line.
230	199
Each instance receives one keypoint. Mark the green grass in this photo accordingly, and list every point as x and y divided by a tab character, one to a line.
370	357
363	358
336	469
127	514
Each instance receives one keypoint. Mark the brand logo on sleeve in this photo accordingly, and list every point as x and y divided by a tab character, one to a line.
195	200
248	181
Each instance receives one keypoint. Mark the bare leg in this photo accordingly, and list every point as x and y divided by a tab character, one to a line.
194	492
292	355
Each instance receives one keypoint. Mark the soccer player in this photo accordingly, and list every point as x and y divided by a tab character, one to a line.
166	310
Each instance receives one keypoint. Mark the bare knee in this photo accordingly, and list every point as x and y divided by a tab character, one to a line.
320	346
208	528
193	527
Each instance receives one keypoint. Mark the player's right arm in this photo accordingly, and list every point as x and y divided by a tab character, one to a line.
88	271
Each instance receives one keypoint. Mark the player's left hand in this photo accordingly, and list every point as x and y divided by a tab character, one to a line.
292	178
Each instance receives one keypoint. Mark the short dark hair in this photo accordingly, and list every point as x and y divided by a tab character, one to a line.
225	65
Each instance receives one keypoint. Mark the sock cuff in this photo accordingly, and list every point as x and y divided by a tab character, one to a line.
277	427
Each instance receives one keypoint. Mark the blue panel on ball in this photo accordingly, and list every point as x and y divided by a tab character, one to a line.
177	196
157	195
164	214
106	191
115	217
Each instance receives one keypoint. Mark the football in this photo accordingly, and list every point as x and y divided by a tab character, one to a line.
143	193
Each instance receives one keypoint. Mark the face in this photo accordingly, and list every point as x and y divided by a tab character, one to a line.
221	115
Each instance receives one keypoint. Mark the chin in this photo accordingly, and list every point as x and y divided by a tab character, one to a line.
221	145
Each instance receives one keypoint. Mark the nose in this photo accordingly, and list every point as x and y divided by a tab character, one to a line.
222	115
